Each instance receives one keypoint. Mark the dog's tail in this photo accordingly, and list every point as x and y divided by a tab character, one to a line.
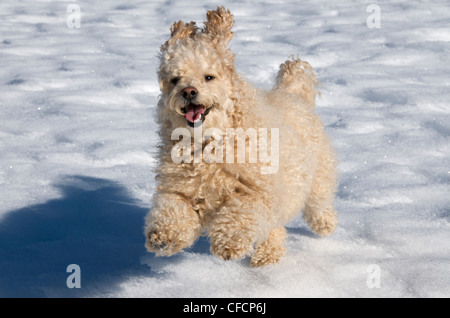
297	77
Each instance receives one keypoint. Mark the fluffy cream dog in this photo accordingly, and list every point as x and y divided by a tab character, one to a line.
240	207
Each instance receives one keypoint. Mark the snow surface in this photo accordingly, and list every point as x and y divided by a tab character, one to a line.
77	139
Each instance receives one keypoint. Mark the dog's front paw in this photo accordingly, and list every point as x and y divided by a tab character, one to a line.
229	249
164	243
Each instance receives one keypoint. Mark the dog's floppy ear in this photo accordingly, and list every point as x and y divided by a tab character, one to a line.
219	23
180	30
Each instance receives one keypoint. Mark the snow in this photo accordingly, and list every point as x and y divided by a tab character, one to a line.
77	144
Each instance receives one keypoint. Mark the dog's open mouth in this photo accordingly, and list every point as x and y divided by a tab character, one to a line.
195	113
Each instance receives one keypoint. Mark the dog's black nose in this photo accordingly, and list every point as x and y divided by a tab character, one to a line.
189	92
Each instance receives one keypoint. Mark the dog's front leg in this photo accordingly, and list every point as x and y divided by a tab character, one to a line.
234	229
171	225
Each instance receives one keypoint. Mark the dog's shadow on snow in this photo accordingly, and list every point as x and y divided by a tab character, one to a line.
95	224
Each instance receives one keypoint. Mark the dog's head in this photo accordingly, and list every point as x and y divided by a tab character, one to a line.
196	73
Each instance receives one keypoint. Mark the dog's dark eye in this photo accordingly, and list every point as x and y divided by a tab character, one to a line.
209	78
175	80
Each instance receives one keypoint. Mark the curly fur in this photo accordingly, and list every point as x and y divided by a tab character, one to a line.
241	210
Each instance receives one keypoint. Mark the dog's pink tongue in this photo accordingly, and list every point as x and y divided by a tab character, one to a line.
193	112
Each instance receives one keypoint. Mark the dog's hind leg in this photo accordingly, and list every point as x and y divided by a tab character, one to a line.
297	77
319	212
271	250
